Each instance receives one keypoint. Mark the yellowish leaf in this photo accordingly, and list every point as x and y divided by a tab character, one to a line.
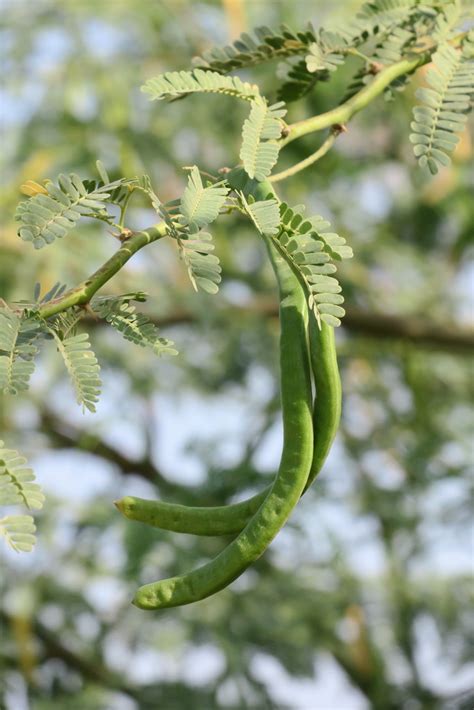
32	188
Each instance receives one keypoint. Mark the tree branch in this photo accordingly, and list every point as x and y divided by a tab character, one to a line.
93	670
341	114
313	158
376	325
67	436
82	294
411	329
337	117
63	435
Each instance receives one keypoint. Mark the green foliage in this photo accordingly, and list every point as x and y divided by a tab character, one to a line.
400	28
251	49
17	350
298	81
52	214
300	604
259	151
18	487
392	22
198	207
133	326
184	219
387	30
378	16
17	484
201	205
444	105
449	14
19	532
174	85
327	53
265	214
80	361
204	268
54	210
266	44
310	249
391	50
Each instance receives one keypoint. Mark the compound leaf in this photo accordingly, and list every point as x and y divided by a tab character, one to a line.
259	151
17	480
201	205
19	532
135	327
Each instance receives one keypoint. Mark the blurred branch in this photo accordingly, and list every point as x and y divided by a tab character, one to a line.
96	672
411	329
372	681
377	325
65	435
93	670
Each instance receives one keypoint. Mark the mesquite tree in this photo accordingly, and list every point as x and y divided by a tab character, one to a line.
391	40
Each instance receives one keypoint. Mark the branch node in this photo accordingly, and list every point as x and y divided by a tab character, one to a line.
375	67
87	308
124	235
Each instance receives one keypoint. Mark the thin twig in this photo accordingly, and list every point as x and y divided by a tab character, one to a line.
310	160
343	113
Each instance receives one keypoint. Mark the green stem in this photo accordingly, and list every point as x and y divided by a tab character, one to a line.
313	158
82	294
123	209
341	114
357	53
337	116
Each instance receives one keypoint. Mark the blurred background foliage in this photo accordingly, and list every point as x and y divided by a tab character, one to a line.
363	600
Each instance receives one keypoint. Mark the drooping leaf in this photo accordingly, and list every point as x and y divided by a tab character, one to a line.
47	217
82	365
18	335
173	85
442	113
259	151
133	326
262	45
17	481
201	205
265	214
310	249
19	532
204	268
